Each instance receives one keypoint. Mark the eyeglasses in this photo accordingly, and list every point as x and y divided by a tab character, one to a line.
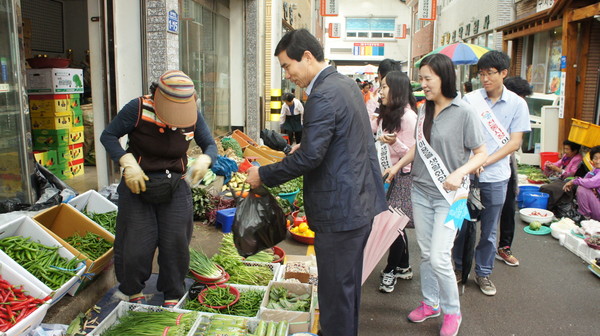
487	74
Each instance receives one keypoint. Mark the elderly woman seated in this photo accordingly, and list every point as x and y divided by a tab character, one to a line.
588	188
561	170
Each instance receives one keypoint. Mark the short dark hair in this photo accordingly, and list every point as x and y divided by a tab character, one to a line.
572	145
594	151
296	42
288	97
443	67
468	86
519	86
388	65
494	59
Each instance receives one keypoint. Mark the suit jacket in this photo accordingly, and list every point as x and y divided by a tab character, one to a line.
343	187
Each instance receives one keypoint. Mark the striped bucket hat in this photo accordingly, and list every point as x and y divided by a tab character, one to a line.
175	99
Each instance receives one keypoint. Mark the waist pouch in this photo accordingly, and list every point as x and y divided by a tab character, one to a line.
160	187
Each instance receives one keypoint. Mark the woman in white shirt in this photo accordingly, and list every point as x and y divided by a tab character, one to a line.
292	112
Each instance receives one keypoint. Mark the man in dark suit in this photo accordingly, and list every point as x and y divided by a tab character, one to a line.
343	188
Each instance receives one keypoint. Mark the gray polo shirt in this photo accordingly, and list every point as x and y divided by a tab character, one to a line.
455	132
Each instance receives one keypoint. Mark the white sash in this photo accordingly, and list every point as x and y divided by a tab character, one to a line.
488	118
383	151
438	172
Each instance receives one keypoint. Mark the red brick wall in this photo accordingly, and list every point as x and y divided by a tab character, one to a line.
422	41
590	87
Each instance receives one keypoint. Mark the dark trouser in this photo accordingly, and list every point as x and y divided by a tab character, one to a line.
294	136
507	217
398	256
340	264
141	228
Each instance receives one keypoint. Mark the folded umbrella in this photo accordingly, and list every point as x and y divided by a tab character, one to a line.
387	226
469	231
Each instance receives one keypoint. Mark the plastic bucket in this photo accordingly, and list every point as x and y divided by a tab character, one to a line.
538	200
290	197
524	189
548	156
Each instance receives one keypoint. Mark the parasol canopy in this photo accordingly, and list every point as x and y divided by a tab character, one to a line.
460	53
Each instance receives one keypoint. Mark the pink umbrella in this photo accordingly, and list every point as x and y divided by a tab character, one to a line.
387	226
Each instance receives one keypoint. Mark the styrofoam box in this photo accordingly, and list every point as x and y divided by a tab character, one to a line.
580	248
274	267
241	288
123	307
35	318
26	227
299	321
92	201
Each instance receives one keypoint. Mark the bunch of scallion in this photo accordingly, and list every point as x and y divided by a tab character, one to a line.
201	264
137	323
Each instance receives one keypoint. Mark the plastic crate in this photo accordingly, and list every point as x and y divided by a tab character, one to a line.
123	307
584	133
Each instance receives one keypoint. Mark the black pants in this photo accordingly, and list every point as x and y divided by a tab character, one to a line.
507	216
144	227
398	255
297	136
340	264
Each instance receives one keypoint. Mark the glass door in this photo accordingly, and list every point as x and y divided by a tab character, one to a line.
16	157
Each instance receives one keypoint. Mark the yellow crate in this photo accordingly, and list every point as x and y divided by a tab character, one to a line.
76	167
76	151
584	133
49	107
55	122
261	157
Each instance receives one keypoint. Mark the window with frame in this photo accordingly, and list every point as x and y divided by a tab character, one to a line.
374	28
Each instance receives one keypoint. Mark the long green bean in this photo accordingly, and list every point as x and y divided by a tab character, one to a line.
92	245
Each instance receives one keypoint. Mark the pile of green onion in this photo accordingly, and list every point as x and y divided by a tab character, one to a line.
201	264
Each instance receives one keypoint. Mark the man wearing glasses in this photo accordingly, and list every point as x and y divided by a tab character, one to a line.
504	118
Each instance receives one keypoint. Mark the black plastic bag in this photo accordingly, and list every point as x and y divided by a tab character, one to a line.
275	140
259	223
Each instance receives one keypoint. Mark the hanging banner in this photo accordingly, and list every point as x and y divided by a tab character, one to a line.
427	10
335	30
329	8
400	31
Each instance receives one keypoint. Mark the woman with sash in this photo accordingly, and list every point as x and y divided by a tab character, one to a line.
395	134
449	147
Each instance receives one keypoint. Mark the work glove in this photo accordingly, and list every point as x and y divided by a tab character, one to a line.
133	173
200	167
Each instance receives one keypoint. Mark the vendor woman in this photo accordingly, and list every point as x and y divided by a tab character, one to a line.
562	170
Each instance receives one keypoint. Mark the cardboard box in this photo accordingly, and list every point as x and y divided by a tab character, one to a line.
49	105
50	138
63	155
54	81
34	319
299	321
63	221
303	277
55	122
76	151
62	170
46	158
91	201
76	135
77	117
76	167
26	227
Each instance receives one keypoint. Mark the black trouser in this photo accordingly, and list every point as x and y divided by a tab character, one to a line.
507	216
398	255
143	227
340	264
297	136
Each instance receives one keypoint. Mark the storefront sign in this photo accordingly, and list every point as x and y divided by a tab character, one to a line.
543	4
173	22
335	30
563	62
329	8
400	31
427	10
368	49
561	99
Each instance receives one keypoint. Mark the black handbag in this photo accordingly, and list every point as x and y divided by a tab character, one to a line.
160	187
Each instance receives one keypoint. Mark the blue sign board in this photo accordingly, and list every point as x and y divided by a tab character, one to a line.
563	62
173	22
